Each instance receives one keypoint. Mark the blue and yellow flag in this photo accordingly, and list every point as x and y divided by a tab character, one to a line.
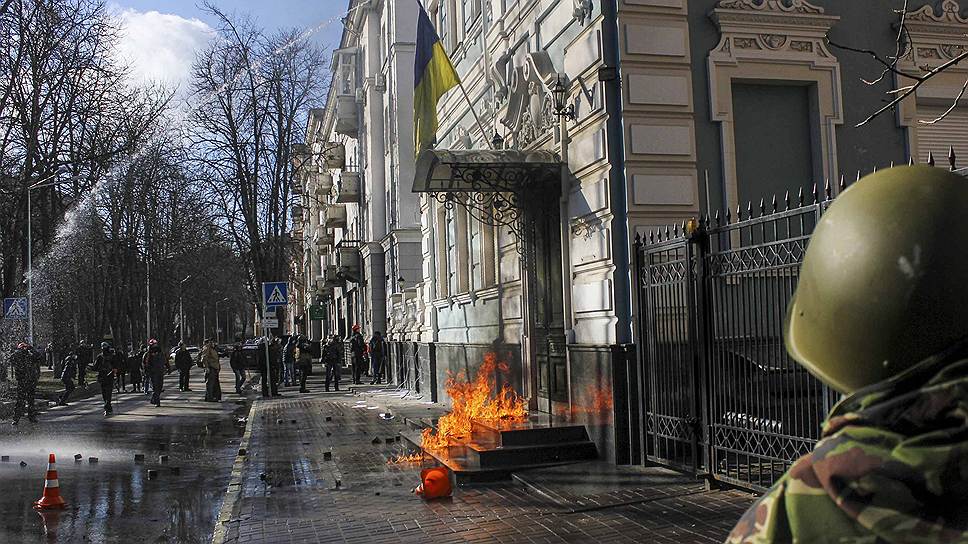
433	75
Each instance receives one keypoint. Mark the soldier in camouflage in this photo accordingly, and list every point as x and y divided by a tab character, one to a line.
26	369
879	314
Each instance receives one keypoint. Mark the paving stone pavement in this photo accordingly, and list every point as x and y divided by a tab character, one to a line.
316	471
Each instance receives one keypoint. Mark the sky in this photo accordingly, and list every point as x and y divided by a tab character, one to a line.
160	37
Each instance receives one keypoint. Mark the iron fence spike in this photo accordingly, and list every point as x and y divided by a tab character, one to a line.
911	161
800	195
774	202
892	164
667	232
651	236
786	199
816	195
858	177
638	238
826	188
739	213
875	170
930	158
762	207
675	230
842	184
951	157
717	218
728	216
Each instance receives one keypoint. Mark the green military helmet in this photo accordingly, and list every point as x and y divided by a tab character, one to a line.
884	282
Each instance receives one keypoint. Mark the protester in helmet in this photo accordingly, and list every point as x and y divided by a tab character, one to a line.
156	366
104	365
879	314
26	370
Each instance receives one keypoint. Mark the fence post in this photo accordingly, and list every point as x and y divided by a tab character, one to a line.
703	305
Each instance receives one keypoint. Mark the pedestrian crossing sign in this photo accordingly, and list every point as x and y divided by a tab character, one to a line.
15	308
274	294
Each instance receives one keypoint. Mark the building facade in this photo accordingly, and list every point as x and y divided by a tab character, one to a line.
592	122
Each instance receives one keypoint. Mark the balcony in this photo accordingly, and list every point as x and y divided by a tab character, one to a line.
323	240
334	216
297	213
331	277
348	191
347	116
334	155
323	185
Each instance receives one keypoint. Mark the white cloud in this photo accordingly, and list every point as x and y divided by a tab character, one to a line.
161	47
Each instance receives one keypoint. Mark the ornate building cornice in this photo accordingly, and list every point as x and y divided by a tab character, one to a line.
795	6
936	36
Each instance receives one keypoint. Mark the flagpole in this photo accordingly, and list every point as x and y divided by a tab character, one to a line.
476	118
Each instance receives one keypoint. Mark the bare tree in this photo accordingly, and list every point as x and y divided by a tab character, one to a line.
255	89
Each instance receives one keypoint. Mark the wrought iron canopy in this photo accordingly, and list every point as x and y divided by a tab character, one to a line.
484	171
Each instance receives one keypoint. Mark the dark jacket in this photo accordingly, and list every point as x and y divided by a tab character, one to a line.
378	348
357	345
183	359
85	355
69	372
26	365
331	354
104	366
155	362
236	361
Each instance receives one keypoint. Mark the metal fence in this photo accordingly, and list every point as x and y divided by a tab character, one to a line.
721	397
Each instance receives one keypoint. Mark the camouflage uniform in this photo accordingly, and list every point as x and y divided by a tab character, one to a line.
892	466
26	369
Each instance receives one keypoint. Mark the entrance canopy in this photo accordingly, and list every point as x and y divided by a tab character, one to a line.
484	171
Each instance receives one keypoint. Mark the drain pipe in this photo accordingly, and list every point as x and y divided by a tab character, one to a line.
610	74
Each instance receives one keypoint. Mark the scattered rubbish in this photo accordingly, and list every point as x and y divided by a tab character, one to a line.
242	452
386	415
329	418
329	433
339	483
23	464
278	422
4	458
375	441
327	455
152	474
377	493
92	460
163	459
51	498
242	420
262	476
139	458
78	457
293	421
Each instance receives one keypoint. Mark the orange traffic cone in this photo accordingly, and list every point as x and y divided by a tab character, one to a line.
51	499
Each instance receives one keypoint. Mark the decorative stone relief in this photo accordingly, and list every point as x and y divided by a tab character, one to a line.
795	6
582	11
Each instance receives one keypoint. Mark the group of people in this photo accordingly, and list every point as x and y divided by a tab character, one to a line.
290	364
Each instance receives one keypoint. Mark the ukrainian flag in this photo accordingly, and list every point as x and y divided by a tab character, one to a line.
433	75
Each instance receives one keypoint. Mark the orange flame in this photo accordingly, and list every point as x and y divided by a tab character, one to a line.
600	404
478	399
406	459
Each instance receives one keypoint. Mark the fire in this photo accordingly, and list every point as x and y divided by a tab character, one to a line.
405	459
600	404
478	399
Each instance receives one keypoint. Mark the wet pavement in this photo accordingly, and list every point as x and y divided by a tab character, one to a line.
113	500
316	471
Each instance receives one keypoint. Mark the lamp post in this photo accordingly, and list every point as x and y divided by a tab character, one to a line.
181	308
30	249
216	318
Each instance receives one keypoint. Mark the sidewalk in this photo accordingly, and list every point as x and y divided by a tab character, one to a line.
316	470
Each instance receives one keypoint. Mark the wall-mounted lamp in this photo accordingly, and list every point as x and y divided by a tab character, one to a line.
559	93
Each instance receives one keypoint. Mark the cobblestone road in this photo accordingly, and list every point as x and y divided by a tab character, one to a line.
316	471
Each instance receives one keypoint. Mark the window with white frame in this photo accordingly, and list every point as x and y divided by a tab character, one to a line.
476	250
472	11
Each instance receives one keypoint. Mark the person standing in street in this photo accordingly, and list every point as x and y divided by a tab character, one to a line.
289	361
67	377
332	355
26	369
120	369
209	359
304	361
378	355
104	366
237	363
135	361
357	349
85	356
156	366
183	362
49	355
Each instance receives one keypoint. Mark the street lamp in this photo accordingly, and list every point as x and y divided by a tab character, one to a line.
181	308
216	318
30	248
559	92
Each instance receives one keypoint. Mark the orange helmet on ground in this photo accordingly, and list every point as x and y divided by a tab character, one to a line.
435	483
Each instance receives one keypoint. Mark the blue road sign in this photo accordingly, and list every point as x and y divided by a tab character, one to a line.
275	294
15	308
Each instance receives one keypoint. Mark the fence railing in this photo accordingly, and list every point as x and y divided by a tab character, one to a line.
720	396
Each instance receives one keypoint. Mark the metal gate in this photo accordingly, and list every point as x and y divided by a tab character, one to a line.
721	396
